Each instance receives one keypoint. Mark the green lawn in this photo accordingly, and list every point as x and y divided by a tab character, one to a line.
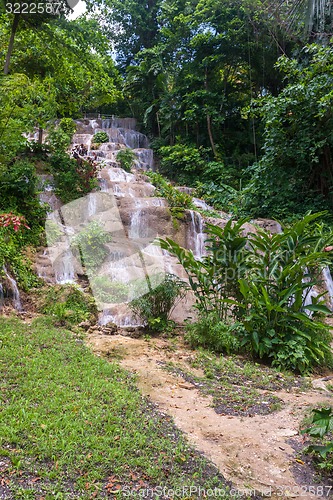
73	425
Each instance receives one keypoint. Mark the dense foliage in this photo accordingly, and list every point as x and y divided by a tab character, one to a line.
320	430
295	172
264	282
155	307
126	157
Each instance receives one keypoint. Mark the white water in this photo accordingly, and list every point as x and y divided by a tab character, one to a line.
127	208
329	285
92	204
201	204
197	236
64	268
2	297
16	299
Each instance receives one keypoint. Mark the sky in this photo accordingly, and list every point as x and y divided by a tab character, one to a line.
79	9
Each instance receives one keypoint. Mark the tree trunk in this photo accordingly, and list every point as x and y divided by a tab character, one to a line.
209	120
158	125
40	135
11	43
209	128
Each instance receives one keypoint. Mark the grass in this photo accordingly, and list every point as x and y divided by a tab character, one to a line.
239	387
74	425
238	370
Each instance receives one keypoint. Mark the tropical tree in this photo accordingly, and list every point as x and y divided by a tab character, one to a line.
32	16
314	15
296	171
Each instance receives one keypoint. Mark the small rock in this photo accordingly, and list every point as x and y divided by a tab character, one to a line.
85	325
111	325
320	384
185	385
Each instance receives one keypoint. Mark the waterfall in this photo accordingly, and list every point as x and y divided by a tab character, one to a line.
138	227
145	158
2	296
197	236
92	204
329	285
309	293
126	208
201	204
14	289
64	268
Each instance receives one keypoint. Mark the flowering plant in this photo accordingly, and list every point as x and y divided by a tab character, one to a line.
11	220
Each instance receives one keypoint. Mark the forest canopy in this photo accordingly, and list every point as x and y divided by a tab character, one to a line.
235	96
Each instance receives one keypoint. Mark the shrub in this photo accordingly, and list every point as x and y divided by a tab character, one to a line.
214	279
155	307
322	429
91	245
68	126
67	303
100	137
221	196
72	180
58	140
283	268
265	285
126	159
174	197
106	290
182	163
19	195
12	240
211	333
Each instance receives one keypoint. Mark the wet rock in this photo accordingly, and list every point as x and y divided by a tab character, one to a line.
320	384
134	332
85	325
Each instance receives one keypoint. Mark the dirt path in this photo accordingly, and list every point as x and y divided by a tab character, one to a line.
252	452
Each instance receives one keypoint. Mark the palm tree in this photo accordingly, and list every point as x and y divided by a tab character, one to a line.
316	15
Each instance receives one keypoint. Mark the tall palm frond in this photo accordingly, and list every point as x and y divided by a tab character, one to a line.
315	14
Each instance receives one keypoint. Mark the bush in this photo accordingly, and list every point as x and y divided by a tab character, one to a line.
211	333
155	307
12	239
283	268
174	197
321	430
214	278
106	290
182	163
100	137
264	285
19	194
67	303
126	159
68	126
221	196
91	245
72	180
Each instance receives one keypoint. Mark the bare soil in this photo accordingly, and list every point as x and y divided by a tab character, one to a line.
258	452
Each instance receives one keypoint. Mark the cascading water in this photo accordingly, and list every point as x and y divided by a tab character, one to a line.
196	236
329	285
64	269
92	204
201	204
16	298
127	208
2	296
